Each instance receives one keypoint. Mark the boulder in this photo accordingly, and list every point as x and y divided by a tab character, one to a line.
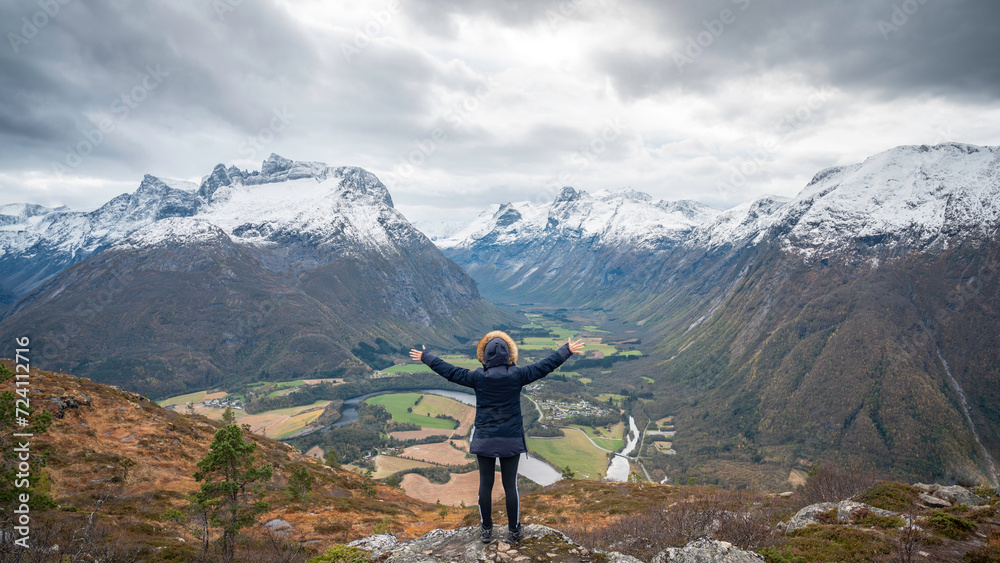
933	502
959	495
808	515
847	511
707	551
539	543
926	488
378	545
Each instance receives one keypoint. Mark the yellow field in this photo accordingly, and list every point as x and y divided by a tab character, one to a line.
386	465
281	423
442	454
196	397
460	488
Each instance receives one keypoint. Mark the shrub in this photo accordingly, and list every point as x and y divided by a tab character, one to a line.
950	526
887	495
834	483
342	554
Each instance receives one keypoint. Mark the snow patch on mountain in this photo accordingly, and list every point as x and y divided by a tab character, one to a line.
172	232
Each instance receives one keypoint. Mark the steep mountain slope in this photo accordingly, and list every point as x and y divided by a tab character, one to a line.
574	247
117	460
857	319
276	274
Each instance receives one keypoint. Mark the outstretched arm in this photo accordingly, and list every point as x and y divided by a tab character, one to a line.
540	369
455	374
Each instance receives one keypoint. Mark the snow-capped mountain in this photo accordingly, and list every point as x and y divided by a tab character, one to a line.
286	269
608	218
907	198
575	245
910	197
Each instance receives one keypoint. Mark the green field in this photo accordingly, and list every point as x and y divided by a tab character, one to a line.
419	367
573	450
603	397
397	403
608	440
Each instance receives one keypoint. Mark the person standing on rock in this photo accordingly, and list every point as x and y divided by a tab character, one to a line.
499	433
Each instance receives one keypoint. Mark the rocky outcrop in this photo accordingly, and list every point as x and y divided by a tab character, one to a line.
847	512
540	543
959	495
707	551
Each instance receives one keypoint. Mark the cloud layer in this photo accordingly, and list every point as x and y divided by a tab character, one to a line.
458	104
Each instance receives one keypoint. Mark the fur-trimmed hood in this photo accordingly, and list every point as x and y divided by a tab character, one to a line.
511	346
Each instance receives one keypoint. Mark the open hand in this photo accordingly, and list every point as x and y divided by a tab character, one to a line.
416	355
574	347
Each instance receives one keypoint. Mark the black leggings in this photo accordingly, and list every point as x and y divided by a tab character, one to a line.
508	476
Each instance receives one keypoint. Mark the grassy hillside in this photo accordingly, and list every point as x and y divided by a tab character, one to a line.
120	461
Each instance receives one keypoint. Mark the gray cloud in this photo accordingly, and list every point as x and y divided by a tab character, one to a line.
942	47
211	82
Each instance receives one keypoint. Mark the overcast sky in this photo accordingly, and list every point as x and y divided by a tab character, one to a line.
457	104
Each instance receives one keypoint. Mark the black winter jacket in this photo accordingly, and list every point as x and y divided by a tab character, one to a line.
499	431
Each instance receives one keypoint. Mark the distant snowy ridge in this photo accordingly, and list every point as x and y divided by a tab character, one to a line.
607	217
904	198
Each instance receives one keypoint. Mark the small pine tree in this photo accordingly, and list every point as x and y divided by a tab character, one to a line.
568	473
332	459
300	483
231	480
228	415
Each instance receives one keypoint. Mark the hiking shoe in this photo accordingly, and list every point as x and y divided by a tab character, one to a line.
486	534
514	534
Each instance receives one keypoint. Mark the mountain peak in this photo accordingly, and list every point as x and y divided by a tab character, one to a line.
568	194
274	164
627	194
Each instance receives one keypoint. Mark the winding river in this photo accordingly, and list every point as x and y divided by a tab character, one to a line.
531	467
619	468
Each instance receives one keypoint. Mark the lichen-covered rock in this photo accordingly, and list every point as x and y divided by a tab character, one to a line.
378	544
707	551
808	515
959	495
847	512
540	543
